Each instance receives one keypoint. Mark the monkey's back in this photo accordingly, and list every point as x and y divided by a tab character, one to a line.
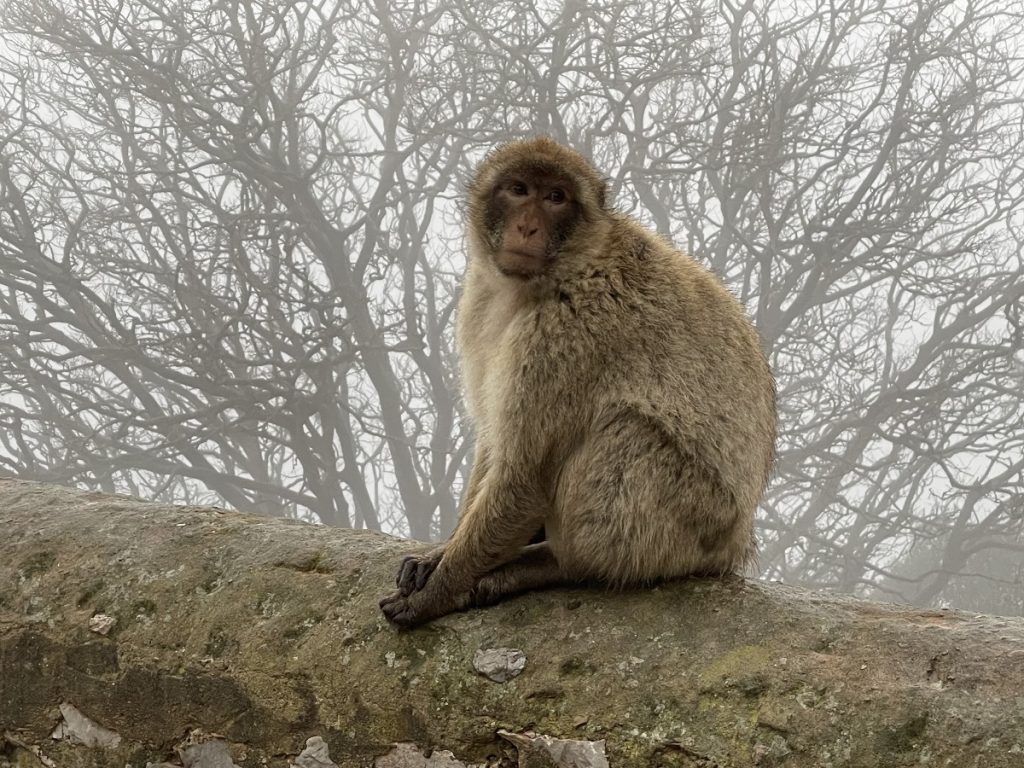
715	384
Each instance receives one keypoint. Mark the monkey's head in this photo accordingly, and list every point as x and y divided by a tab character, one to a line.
527	201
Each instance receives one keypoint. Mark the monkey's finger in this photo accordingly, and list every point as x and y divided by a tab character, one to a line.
406	575
423	571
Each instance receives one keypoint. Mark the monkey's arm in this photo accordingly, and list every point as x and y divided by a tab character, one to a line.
414	570
508	509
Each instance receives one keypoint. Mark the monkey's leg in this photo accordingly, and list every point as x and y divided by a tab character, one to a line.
509	508
414	570
634	506
535	568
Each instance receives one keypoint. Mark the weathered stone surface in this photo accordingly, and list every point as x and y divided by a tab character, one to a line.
410	756
266	632
206	753
79	729
537	749
101	624
315	755
499	664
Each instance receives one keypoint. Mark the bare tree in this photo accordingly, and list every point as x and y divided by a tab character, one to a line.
213	260
229	247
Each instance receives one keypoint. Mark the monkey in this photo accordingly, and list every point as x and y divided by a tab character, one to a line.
621	401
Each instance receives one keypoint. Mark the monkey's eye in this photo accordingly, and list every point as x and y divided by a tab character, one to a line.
518	188
557	195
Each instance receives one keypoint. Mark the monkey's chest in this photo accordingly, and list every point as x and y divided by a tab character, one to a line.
525	380
490	376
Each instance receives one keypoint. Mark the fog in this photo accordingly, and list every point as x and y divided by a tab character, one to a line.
230	250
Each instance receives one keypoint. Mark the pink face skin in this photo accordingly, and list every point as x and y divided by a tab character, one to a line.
535	215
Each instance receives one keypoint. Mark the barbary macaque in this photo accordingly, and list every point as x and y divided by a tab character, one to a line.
621	400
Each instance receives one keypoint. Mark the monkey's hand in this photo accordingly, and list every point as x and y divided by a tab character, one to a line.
416	569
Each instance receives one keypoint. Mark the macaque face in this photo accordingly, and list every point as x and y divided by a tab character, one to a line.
529	216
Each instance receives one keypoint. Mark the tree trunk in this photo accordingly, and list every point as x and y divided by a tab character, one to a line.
267	632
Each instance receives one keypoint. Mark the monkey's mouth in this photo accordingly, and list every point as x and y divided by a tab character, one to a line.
520	263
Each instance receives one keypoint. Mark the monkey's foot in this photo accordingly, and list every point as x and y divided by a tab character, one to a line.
416	569
407	611
398	610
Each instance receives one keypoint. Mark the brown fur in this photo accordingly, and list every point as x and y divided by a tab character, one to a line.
621	402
